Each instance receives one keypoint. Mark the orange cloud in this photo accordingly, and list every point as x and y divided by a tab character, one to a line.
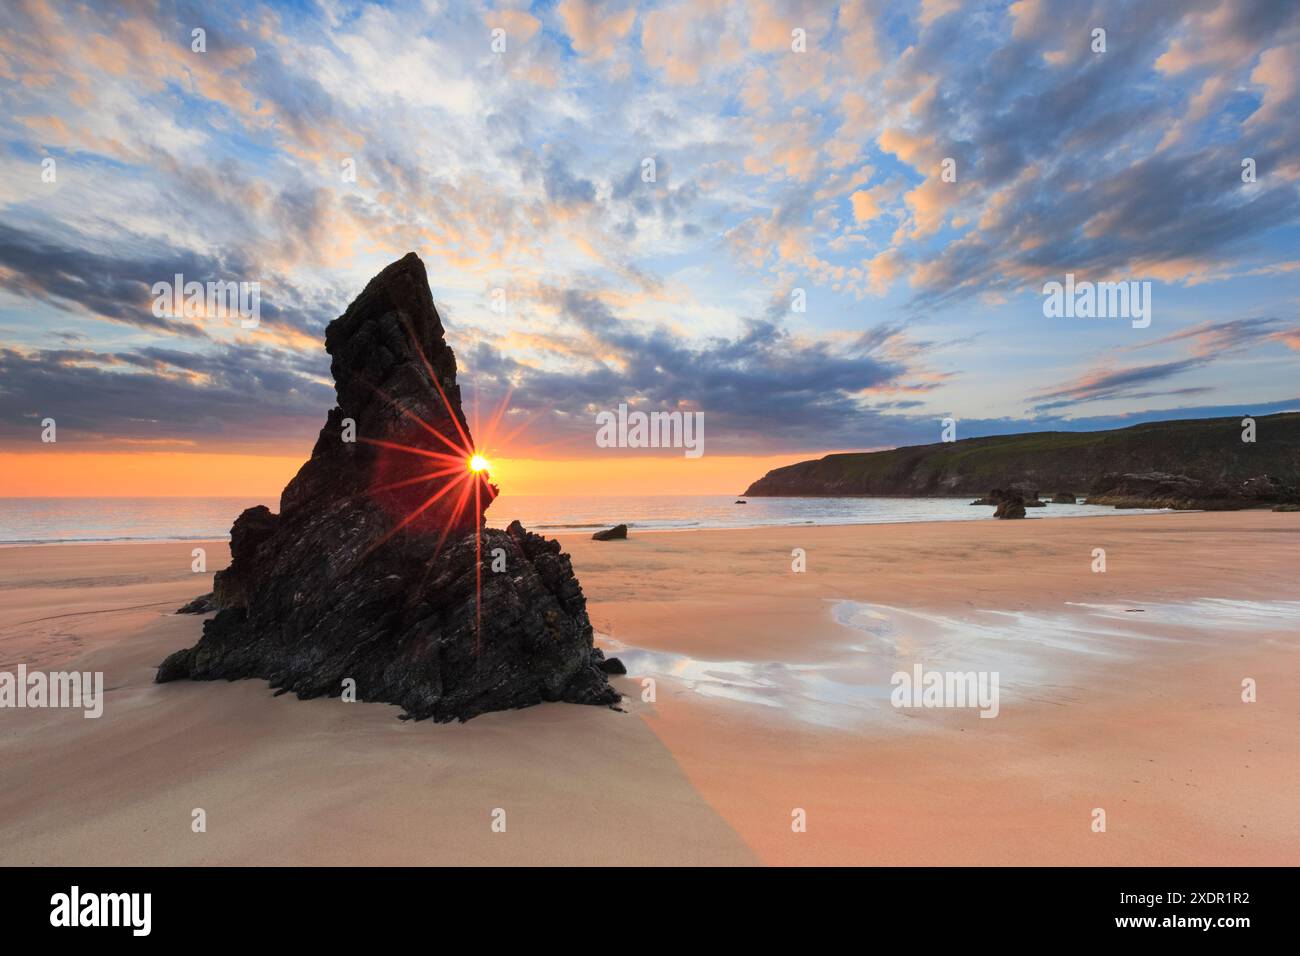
594	31
866	205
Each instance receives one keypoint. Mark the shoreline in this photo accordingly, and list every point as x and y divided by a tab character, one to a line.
541	529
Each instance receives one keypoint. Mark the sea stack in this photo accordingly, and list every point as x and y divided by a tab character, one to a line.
377	575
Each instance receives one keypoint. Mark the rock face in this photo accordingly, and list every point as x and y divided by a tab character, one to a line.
378	568
1156	489
1063	498
616	533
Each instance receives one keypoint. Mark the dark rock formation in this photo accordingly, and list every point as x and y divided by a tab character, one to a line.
231	587
1156	489
1026	496
1011	506
378	569
741	501
612	665
1286	507
618	532
1064	498
204	604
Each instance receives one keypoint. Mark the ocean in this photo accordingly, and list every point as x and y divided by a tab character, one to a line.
46	520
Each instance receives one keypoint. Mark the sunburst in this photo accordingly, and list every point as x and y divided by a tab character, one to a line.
458	473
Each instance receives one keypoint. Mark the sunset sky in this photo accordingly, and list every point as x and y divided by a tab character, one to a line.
522	171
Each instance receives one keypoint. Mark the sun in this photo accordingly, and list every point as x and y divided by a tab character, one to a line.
478	463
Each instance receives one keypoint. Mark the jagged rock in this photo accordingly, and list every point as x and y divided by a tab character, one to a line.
741	501
203	604
231	587
618	532
610	665
375	570
1028	494
1267	489
1262	488
1064	498
1012	506
1025	495
1155	489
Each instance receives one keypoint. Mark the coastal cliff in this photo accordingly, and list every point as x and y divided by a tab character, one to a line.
1188	462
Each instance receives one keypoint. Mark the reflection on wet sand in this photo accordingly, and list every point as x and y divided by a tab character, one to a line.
1030	651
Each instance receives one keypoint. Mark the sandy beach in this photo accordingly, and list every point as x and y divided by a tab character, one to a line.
1121	691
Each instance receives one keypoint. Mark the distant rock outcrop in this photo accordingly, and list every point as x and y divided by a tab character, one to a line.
1025	496
377	575
1156	489
1064	498
1011	506
616	533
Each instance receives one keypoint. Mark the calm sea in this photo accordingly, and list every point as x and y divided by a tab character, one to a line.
40	520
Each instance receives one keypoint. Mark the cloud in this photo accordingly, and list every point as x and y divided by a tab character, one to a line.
776	170
1219	338
102	284
236	397
865	205
763	389
1223	36
564	188
1085	125
685	40
1112	383
119	288
1276	72
932	10
1207	343
596	29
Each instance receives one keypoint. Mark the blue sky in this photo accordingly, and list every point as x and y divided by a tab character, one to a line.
776	170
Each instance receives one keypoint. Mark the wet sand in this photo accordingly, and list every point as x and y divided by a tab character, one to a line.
1122	691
